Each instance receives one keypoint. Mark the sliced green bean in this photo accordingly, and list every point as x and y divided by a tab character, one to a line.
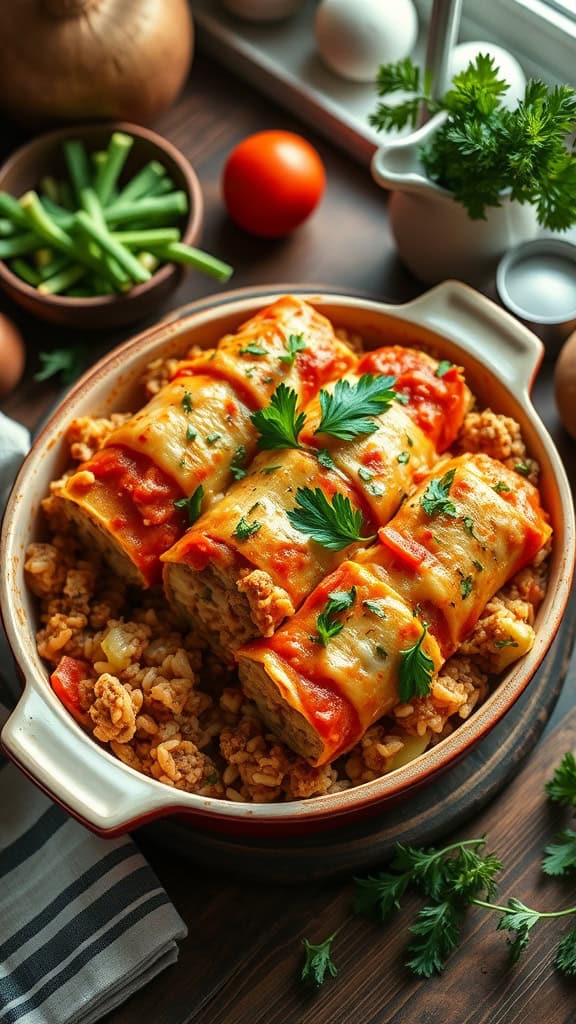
79	293
64	218
60	282
142	184
18	245
177	252
44	256
146	239
100	286
10	208
49	188
7	227
91	204
25	271
173	204
54	266
148	260
108	173
66	197
77	164
124	257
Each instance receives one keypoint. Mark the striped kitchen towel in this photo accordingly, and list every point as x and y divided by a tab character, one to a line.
84	922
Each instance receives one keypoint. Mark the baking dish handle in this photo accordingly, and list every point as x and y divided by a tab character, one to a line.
74	771
482	329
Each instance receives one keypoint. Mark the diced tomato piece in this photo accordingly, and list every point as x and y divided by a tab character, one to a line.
65	681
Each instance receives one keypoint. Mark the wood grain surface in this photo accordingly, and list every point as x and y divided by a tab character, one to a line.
240	962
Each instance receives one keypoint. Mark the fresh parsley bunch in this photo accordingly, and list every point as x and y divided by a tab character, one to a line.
482	148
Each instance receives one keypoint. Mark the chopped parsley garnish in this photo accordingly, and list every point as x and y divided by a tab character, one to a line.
333	525
416	671
477	565
403	458
435	500
270	469
326	623
293	346
191	504
347	411
443	367
409	441
212	438
253	349
365	474
501	487
523	467
468	525
376	489
244	530
325	459
375	607
278	424
466	585
237	465
402	398
191	434
381	652
187	402
508	642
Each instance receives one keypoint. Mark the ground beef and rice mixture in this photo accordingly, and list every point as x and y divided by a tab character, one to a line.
172	711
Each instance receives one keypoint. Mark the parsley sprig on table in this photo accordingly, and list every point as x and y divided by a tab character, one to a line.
332	524
347	411
65	363
482	147
452	880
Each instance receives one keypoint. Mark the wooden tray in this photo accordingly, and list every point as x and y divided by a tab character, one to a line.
439	808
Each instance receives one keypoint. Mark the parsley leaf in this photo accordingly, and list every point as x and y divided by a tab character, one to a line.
561	788
191	434
192	504
437	933
376	608
293	346
347	411
416	670
325	459
318	961
403	458
253	349
243	530
523	467
212	438
519	919
67	363
237	465
278	424
500	487
435	501
443	367
466	585
560	856
565	960
327	626
187	402
333	524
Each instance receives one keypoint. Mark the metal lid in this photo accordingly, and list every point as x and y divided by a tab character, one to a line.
537	281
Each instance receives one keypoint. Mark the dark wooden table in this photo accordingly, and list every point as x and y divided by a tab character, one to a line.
240	962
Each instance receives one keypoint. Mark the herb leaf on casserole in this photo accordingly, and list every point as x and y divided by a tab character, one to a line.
435	500
192	505
347	411
279	424
332	524
243	529
416	670
294	344
326	623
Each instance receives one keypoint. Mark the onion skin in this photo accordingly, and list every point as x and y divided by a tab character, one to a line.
72	60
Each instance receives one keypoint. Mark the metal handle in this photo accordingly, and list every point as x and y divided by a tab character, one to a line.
86	780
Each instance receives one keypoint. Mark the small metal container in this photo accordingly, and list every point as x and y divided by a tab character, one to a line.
537	282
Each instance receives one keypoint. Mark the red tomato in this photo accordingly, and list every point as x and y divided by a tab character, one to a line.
272	181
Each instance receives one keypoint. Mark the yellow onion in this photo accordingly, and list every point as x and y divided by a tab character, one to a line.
117	646
68	60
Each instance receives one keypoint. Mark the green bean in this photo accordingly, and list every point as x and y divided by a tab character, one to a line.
173	204
124	257
43	256
77	164
79	293
177	252
54	265
10	208
148	260
108	173
17	245
146	239
64	218
49	188
25	271
7	227
100	286
142	183
60	282
66	197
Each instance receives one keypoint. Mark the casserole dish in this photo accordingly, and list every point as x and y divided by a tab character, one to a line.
501	359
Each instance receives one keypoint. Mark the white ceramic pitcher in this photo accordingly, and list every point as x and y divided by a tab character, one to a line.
436	238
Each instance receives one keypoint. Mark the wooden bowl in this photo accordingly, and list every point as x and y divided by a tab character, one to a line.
501	358
44	156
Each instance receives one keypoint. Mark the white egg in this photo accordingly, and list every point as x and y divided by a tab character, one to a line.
509	68
355	36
